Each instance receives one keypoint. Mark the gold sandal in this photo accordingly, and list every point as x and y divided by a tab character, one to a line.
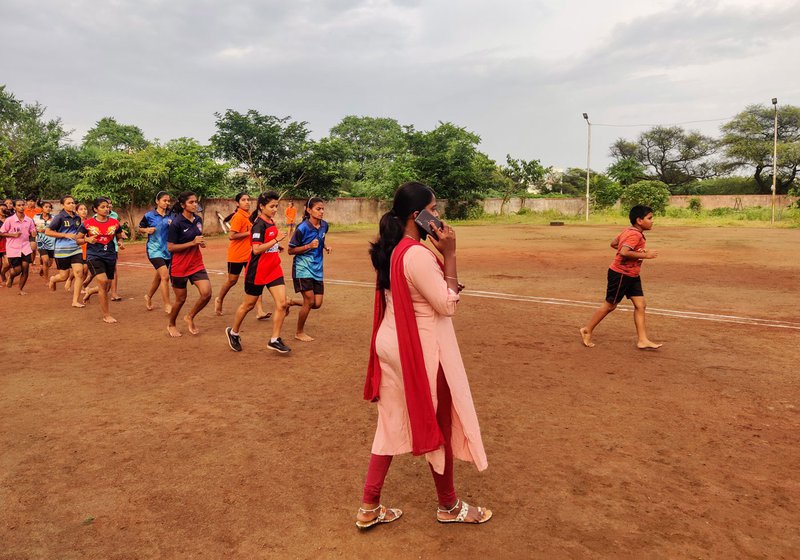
380	518
486	514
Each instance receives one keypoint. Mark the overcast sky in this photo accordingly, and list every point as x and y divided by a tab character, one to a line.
518	73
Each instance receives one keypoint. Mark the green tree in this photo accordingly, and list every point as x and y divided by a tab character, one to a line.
654	194
626	171
448	160
669	154
748	143
192	167
604	192
29	147
522	175
109	135
128	179
265	147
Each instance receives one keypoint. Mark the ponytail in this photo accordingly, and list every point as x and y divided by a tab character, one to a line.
309	205
409	198
177	208
264	198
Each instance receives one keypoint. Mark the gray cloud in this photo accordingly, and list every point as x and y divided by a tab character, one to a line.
167	66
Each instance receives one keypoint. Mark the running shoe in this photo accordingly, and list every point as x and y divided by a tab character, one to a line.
279	346
234	340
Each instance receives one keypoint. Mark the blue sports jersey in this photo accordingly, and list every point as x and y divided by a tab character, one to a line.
157	241
64	223
308	264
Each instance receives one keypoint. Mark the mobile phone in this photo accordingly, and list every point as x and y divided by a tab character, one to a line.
423	220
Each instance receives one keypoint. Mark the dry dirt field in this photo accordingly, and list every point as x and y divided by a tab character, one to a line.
117	442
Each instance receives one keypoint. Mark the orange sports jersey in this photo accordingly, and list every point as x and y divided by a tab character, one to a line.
291	213
239	249
634	240
31	212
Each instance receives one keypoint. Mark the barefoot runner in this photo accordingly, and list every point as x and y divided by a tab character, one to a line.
68	254
307	246
18	229
99	233
184	240
155	224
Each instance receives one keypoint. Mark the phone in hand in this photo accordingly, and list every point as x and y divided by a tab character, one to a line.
423	220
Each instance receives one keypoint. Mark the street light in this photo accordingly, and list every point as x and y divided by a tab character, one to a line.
588	162
774	156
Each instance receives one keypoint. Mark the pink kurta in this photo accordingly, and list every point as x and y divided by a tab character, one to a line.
434	305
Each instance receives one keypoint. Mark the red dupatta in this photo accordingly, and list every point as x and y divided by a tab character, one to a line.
425	433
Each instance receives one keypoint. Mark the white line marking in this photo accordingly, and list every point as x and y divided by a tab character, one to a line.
677	314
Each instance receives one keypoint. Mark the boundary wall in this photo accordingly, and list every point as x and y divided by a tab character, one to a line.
348	211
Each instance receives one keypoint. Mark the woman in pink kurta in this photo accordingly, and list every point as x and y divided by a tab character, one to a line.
416	373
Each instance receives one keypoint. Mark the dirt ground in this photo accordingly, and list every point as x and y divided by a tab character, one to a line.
118	442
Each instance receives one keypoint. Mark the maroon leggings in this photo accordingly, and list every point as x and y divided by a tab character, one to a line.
379	464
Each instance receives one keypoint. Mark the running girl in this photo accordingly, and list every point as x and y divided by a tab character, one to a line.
69	260
100	232
263	270
238	252
17	230
156	225
184	240
307	245
3	261
44	243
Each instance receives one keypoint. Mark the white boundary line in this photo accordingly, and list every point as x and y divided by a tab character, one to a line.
754	321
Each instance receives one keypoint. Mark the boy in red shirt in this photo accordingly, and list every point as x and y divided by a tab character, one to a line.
623	277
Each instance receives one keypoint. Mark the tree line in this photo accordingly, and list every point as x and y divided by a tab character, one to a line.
370	156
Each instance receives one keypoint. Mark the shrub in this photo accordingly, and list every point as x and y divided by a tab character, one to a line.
720	185
524	211
654	194
695	205
604	191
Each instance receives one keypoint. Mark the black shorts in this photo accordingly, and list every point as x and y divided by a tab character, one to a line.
158	263
180	281
103	266
309	285
49	252
621	286
17	261
236	268
65	263
258	289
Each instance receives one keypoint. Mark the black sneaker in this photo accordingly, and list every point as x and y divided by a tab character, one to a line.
234	340
279	346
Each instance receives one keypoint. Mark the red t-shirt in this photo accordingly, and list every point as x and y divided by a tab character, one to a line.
265	267
104	234
633	239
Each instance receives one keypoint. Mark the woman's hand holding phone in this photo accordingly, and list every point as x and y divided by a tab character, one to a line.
446	244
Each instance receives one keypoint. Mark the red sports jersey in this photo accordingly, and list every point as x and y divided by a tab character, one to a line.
265	267
104	233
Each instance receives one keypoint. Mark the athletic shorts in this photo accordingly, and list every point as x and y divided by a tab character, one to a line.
65	263
236	268
49	252
17	261
158	263
180	281
621	286
309	285
103	266
258	289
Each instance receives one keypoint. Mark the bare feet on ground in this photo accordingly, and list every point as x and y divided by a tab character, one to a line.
648	345
304	337
167	309
51	285
586	336
109	319
23	293
217	306
78	305
264	317
190	323
148	303
173	331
